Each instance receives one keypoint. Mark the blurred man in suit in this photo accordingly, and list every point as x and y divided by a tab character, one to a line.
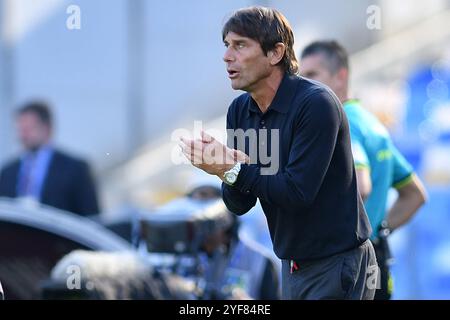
44	173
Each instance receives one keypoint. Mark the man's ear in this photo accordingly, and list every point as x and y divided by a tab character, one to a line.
277	53
343	74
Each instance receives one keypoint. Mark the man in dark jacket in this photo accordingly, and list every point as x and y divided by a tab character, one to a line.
289	147
43	173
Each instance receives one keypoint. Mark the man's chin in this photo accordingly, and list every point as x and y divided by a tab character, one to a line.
237	86
32	147
234	85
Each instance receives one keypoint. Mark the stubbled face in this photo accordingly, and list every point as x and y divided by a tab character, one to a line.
246	62
314	67
31	131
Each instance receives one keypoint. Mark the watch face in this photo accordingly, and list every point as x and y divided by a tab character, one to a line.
231	177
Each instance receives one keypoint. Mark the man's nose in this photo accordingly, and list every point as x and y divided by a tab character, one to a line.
228	57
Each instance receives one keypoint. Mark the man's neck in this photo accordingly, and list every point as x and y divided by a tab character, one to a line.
39	148
267	89
342	94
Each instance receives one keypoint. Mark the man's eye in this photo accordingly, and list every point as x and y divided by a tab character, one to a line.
240	45
226	45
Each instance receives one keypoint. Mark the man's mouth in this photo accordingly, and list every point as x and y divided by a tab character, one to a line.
232	74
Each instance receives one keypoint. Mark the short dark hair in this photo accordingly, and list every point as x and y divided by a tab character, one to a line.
335	54
38	108
268	27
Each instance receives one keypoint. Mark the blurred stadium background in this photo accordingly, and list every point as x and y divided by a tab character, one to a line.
138	70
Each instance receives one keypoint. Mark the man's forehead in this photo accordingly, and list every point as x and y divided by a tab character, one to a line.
326	62
315	60
232	36
27	116
317	57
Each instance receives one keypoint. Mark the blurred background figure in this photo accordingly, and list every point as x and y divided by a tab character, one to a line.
252	226
43	173
199	239
379	165
250	266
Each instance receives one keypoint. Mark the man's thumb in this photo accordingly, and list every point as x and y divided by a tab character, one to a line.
206	137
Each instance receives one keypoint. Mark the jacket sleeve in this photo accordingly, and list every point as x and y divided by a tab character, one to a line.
85	192
236	201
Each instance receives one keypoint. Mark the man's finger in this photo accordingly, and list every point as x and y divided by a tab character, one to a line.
186	153
241	156
197	145
186	141
192	146
193	157
182	146
206	137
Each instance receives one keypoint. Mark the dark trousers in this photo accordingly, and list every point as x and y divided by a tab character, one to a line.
383	254
351	275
